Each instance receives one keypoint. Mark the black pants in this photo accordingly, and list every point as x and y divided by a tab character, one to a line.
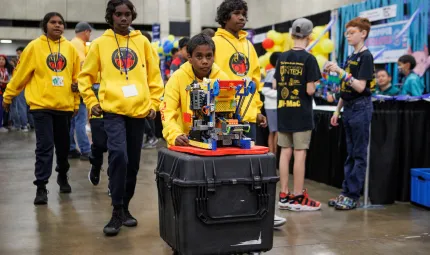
99	145
52	128
149	128
125	136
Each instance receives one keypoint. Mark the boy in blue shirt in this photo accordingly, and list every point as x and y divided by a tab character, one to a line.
412	83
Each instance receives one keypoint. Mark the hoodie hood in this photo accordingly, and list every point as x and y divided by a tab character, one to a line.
228	35
110	33
45	39
188	69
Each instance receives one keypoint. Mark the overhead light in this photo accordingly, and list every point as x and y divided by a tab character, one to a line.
5	41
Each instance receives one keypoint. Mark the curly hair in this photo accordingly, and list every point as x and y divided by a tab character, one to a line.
227	7
200	39
111	6
45	21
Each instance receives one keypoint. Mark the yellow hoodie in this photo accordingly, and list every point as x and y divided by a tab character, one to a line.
177	100
132	98
36	71
239	66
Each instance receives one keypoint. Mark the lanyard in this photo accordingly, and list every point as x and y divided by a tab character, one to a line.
123	60
58	54
237	52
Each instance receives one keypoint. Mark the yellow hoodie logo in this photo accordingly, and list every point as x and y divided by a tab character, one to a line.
239	64
56	62
127	58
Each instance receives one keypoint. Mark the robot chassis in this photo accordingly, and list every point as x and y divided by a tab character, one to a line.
216	120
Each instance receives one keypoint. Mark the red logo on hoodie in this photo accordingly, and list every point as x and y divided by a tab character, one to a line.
239	64
56	62
129	59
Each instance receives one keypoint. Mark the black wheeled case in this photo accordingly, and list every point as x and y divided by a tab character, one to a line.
216	205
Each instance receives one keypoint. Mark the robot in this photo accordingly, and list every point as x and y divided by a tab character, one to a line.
216	120
329	83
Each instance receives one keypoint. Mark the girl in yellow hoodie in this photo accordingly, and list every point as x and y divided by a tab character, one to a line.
130	90
237	57
48	70
176	100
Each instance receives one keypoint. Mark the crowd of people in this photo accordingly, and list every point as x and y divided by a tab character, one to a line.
116	85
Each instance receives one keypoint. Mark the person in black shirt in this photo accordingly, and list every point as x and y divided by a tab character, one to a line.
295	76
356	90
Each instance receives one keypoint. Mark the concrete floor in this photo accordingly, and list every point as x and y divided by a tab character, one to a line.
72	224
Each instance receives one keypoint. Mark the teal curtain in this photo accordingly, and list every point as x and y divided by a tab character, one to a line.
418	32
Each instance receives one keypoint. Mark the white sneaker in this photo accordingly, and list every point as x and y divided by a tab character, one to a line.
279	221
25	129
4	130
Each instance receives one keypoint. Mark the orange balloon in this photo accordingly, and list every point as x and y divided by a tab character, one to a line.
269	66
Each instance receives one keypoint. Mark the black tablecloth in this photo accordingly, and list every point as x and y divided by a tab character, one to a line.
400	140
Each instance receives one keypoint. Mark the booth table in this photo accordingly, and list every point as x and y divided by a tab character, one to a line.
400	140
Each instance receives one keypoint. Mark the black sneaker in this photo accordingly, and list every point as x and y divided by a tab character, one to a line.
94	175
129	220
63	182
115	223
84	157
41	196
74	154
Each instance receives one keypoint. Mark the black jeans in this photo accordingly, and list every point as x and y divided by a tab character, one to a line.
149	128
99	145
52	129
125	136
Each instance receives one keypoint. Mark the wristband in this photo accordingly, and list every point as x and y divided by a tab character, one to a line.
336	113
348	77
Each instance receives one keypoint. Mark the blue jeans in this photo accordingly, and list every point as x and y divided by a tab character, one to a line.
357	116
18	111
79	123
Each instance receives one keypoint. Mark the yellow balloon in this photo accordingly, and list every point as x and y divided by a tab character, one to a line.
288	41
160	50
317	31
326	45
154	45
275	48
321	61
271	33
277	38
176	44
171	38
317	50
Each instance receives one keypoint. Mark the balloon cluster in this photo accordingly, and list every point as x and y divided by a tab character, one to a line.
165	48
274	42
323	47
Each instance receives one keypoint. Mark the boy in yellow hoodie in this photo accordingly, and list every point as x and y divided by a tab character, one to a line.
48	70
130	90
176	100
236	56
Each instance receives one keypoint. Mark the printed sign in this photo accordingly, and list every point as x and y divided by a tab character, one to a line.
385	12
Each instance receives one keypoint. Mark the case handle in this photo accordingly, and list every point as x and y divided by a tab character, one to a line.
202	201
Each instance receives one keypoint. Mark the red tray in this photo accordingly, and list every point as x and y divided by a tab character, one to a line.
223	151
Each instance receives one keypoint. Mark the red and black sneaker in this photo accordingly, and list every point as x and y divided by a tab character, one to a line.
284	199
303	203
